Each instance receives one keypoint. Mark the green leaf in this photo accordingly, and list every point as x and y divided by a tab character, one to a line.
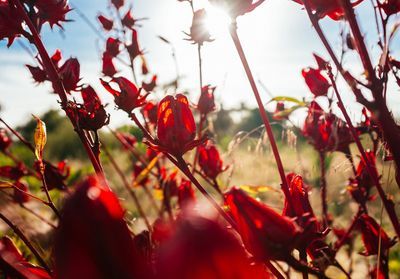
288	99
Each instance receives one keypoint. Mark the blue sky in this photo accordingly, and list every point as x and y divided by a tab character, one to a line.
277	37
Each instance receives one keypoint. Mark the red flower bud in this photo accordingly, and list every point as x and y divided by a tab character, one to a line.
198	31
186	195
151	85
390	7
112	47
5	140
134	49
69	73
92	115
236	8
108	65
128	97
55	176
277	115
128	20
13	172
315	81
200	248
93	240
56	57
18	194
105	22
265	233
10	22
14	265
118	3
206	102
176	129
52	11
372	234
210	161
330	8
149	111
38	74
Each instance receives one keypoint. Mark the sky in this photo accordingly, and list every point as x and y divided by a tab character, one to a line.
277	38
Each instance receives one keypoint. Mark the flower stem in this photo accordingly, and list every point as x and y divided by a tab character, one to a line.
239	48
27	242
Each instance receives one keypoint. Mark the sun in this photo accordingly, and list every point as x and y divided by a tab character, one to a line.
217	21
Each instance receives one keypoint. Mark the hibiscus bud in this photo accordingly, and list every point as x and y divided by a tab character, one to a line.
118	3
18	195
10	22
69	73
390	7
38	74
176	129
186	195
315	81
151	85
206	102
236	8
55	176
105	22
198	31
210	161
14	265
56	57
92	232
128	97
149	111
128	20
134	49
265	233
108	65
92	115
112	47
373	236
52	11
5	140
200	248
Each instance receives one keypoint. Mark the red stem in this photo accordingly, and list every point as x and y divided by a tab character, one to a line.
389	207
271	138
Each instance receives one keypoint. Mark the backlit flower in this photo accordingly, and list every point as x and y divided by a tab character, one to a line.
315	81
198	31
210	160
206	103
92	115
69	74
108	68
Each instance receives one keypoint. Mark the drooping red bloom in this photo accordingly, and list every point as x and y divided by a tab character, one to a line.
390	7
13	172
134	49
38	74
108	68
92	115
106	22
186	195
14	265
330	8
315	81
372	233
149	86
149	111
5	140
69	73
10	22
236	8
52	11
55	176
206	103
93	240
210	161
118	3
128	97
112	46
265	233
176	129
201	248
198	31
18	194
